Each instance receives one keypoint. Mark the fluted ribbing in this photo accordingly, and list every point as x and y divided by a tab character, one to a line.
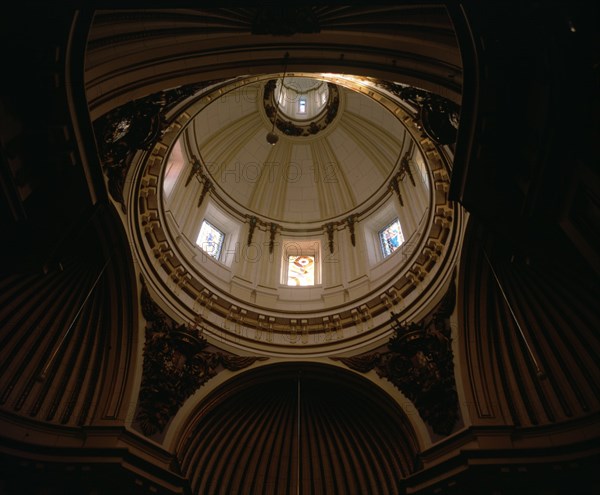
244	437
57	330
559	319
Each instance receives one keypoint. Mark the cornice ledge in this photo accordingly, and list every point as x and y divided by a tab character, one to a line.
503	445
53	443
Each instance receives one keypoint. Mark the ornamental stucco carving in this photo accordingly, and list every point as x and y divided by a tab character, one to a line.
418	361
134	126
177	361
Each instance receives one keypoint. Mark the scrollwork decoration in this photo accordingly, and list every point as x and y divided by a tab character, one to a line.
418	362
177	361
438	116
137	125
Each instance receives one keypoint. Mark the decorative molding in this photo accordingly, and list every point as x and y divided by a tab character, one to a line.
137	125
438	116
419	363
177	362
252	220
329	229
308	128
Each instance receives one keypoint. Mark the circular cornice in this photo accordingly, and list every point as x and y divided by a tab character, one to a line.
191	294
222	184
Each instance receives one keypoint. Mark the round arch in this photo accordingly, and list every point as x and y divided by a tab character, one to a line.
297	427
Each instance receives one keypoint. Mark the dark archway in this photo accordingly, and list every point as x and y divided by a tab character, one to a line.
245	436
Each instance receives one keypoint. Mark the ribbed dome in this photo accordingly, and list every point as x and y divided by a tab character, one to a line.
303	178
234	212
55	328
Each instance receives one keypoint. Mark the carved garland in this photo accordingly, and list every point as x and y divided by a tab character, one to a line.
196	170
177	362
399	177
419	363
329	229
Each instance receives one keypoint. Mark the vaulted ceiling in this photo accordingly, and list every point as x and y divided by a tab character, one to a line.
106	382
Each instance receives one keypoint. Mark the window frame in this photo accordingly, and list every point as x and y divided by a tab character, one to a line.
301	247
223	236
380	234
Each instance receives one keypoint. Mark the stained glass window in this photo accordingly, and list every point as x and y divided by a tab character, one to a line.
391	238
301	270
210	239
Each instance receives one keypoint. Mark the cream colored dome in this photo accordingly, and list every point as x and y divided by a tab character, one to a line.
302	179
306	245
